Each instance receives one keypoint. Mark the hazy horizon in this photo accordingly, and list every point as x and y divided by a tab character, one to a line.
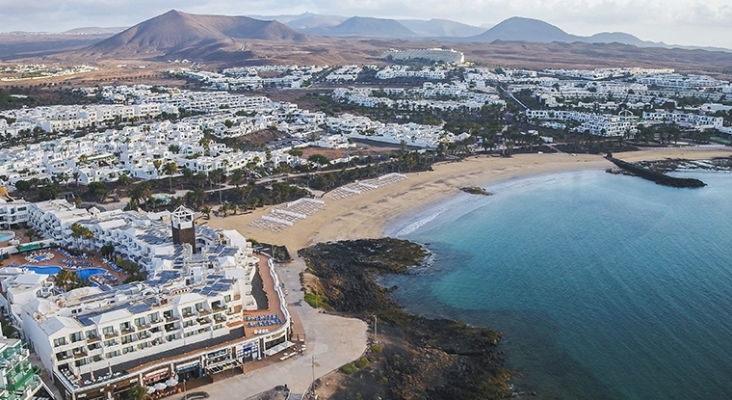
695	24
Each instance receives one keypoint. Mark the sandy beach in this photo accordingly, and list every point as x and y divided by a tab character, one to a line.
367	214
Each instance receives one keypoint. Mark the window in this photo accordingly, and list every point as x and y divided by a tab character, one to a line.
227	298
75	337
109	330
153	317
140	321
109	343
187	311
199	306
128	349
91	334
80	362
112	354
59	342
125	326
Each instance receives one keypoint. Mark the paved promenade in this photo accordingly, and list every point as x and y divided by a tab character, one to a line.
332	340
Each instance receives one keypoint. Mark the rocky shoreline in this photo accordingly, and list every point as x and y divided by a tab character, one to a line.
681	164
413	357
655	176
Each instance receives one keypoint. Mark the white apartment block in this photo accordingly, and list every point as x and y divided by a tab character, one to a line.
695	121
439	55
185	321
679	81
596	124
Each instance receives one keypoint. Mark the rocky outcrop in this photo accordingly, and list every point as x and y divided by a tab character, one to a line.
421	358
658	177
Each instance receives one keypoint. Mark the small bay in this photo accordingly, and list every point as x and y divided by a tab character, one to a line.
603	286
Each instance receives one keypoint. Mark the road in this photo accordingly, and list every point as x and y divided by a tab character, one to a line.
332	341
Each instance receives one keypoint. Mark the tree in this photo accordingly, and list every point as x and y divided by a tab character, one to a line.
76	175
30	233
174	148
295	152
318	159
236	177
124	180
98	189
66	279
22	186
107	250
137	393
170	169
157	164
206	210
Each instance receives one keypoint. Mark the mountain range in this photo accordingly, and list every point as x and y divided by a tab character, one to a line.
218	38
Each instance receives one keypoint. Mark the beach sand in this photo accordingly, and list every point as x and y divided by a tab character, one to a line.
366	215
334	340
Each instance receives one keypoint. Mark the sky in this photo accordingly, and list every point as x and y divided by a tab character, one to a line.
685	22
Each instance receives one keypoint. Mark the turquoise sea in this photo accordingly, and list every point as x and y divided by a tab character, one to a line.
604	286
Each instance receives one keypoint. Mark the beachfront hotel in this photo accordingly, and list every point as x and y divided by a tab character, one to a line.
195	316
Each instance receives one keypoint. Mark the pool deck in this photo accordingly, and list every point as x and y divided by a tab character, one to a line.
19	260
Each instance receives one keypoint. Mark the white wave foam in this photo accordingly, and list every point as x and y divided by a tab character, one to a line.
418	224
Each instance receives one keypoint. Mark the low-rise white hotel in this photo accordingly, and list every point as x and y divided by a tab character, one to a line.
186	320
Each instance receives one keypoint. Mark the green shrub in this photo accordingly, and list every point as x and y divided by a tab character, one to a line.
362	363
376	349
349	369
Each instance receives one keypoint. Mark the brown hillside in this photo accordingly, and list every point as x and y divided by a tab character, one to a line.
193	36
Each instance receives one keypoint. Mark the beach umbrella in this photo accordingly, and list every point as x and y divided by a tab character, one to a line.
171	382
150	390
160	386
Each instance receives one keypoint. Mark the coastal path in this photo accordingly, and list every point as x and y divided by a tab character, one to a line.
332	341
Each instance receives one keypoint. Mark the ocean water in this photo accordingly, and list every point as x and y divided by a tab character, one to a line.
603	286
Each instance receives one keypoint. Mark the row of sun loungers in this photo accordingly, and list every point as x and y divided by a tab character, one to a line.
261	317
69	255
288	214
264	323
76	263
359	187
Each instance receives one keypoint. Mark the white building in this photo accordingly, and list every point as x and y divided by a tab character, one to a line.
186	320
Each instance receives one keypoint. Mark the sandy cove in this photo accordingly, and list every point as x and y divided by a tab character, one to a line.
367	214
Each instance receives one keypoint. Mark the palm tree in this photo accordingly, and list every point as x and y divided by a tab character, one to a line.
206	210
137	393
170	169
157	164
31	233
236	177
66	279
76	175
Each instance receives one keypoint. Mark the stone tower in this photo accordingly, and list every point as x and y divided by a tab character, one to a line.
184	230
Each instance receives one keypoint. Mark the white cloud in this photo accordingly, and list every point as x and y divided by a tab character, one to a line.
697	22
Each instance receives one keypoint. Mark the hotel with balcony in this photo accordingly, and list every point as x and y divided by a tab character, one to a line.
186	320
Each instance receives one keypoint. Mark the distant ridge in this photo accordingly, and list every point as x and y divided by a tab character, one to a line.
525	30
440	28
369	27
190	35
519	29
95	30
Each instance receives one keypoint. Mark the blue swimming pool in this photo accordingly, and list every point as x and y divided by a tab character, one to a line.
84	273
6	236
